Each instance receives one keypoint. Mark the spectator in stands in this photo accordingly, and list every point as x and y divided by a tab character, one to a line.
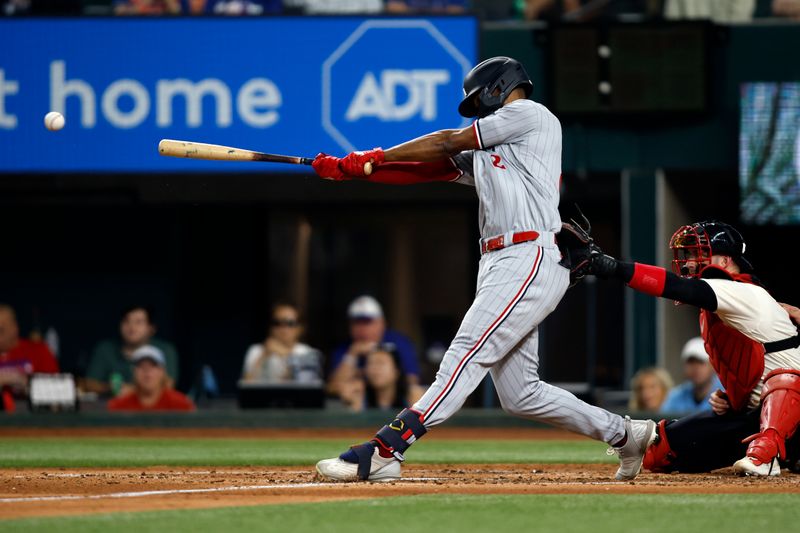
151	390
450	7
41	7
383	385
16	7
585	10
19	358
368	330
701	381
110	370
649	388
716	10
786	8
282	357
232	7
147	7
339	7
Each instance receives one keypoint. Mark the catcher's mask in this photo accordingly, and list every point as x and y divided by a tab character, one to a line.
498	74
694	244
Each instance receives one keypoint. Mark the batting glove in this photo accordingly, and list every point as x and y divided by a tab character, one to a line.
353	163
327	167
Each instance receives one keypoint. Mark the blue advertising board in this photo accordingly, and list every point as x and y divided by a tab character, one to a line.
293	86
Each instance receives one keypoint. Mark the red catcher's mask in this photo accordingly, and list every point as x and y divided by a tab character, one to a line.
690	243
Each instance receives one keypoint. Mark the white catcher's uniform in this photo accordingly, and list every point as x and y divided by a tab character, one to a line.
516	174
752	311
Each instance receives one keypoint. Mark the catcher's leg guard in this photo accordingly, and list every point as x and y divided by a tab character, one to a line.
659	456
780	415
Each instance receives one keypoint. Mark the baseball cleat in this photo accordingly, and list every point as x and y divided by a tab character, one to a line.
750	466
345	468
641	434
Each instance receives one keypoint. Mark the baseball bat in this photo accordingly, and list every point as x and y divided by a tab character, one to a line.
217	152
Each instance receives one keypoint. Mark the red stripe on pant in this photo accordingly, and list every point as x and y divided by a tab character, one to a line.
486	333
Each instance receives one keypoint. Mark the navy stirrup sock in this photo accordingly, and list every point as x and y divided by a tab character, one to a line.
401	433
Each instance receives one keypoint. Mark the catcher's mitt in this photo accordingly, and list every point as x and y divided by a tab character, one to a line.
577	248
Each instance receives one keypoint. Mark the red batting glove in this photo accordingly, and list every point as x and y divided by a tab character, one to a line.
327	167
353	163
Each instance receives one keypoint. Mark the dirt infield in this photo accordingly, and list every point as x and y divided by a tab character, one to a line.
26	492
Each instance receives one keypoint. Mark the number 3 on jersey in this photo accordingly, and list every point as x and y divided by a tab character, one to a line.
496	161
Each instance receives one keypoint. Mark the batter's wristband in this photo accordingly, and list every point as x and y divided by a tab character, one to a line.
648	279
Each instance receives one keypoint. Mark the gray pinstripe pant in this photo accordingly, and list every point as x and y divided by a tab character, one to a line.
518	287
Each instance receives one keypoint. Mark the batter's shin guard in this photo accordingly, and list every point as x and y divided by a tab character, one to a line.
401	433
659	455
780	415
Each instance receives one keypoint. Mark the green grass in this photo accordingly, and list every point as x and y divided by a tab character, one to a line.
136	452
462	513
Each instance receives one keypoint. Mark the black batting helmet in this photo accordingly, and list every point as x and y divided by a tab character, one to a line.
699	241
498	73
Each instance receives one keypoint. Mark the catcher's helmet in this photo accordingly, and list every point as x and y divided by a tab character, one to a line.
699	241
498	73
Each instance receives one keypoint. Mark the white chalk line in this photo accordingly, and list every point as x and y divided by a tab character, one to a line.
101	473
141	494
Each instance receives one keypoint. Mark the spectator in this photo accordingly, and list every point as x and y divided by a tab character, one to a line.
19	358
368	330
586	10
16	7
147	7
232	7
450	7
110	369
786	8
649	387
281	357
716	10
383	386
549	9
151	390
340	7
41	7
701	380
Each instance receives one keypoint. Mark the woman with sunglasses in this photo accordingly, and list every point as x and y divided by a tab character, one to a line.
282	357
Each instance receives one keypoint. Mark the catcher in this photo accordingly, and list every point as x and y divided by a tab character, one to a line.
753	345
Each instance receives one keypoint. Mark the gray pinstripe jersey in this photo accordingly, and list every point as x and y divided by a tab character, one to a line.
517	170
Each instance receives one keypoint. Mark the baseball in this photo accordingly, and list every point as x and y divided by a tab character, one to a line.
54	121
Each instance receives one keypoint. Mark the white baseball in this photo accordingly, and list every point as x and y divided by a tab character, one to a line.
54	121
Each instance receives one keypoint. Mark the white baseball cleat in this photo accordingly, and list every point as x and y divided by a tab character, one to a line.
750	466
381	468
641	434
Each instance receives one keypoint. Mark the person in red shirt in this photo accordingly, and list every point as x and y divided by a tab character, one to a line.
19	358
150	386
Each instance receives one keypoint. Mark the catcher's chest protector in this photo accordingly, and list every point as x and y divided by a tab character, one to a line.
738	360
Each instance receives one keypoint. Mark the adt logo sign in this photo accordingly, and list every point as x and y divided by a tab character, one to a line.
389	81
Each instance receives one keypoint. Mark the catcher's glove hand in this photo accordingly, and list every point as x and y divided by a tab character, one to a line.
577	249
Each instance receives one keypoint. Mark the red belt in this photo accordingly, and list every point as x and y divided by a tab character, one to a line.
499	242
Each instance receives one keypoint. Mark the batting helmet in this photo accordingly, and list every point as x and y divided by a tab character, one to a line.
496	74
699	241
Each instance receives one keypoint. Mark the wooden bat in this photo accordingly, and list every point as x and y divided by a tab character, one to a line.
216	152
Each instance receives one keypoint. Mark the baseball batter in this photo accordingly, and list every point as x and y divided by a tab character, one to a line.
753	345
511	154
